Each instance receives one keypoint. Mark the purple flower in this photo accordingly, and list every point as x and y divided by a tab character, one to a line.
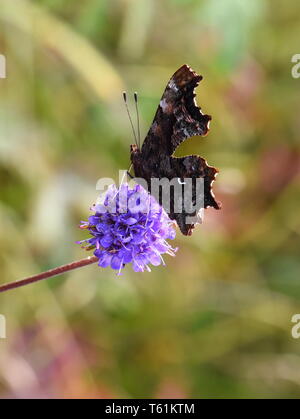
129	226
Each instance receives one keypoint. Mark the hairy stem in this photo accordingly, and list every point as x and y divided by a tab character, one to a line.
48	274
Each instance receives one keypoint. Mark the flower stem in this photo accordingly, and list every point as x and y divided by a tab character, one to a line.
48	274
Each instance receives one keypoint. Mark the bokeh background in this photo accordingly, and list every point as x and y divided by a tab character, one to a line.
216	322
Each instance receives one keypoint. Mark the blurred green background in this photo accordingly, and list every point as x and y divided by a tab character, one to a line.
216	322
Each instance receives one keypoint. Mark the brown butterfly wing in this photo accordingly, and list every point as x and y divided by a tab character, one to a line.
177	118
201	196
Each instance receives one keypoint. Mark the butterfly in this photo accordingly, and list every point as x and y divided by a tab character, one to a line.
177	118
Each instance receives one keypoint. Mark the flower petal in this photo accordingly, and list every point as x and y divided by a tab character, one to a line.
116	262
105	260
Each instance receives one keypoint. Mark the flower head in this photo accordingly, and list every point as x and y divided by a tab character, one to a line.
129	226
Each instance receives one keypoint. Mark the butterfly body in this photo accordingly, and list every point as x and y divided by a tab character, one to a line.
177	118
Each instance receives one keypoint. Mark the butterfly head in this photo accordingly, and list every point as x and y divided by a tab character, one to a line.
134	149
136	160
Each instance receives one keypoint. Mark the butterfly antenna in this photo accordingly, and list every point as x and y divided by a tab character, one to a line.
129	116
128	172
137	117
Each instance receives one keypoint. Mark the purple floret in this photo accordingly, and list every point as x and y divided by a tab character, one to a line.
129	226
